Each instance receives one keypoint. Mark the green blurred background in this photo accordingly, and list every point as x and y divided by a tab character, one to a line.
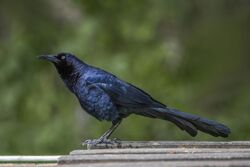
192	55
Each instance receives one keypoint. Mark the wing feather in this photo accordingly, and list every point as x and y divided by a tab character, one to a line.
128	95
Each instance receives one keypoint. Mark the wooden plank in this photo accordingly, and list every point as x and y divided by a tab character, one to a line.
172	144
151	157
159	151
164	164
148	154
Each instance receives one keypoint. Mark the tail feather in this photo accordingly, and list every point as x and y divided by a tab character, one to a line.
185	125
191	123
181	123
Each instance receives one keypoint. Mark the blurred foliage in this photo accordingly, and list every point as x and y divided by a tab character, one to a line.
193	55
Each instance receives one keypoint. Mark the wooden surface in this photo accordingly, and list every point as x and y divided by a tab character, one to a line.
172	144
152	154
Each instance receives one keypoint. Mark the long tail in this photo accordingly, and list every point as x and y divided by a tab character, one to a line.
189	122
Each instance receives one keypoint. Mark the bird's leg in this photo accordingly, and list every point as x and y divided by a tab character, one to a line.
106	135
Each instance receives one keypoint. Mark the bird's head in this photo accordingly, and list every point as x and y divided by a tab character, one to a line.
65	63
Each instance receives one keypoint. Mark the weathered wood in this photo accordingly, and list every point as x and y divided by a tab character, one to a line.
148	154
172	144
152	157
182	153
158	151
165	164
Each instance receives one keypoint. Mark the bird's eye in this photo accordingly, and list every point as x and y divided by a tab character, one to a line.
63	57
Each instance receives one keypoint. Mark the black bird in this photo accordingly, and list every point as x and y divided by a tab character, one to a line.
109	98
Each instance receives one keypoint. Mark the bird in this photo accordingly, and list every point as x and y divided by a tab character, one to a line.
107	97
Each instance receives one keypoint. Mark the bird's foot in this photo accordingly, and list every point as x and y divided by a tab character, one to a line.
101	141
116	140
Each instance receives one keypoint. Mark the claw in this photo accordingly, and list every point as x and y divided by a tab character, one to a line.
101	141
116	140
86	142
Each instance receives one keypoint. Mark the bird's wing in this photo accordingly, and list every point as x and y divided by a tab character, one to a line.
128	95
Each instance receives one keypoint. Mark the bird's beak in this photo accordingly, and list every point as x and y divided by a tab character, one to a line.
50	58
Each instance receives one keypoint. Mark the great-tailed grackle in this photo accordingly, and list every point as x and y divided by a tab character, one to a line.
109	98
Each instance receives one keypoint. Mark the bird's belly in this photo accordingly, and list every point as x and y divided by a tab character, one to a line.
100	112
99	105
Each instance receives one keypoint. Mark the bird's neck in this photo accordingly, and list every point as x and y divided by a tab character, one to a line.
71	76
70	79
